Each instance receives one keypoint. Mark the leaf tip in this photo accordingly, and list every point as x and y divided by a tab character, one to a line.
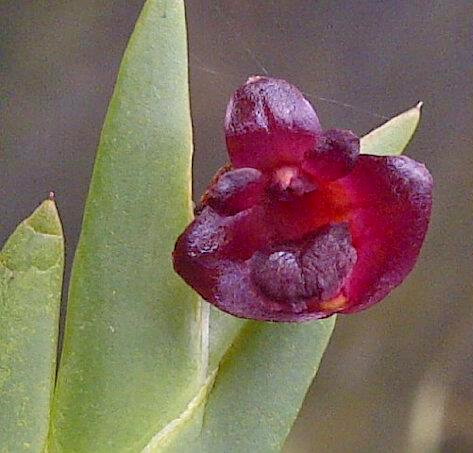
416	112
45	218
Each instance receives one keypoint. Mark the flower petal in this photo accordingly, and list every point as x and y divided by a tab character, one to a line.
390	212
269	122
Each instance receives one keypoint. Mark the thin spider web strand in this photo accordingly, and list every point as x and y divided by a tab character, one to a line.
198	65
239	36
230	27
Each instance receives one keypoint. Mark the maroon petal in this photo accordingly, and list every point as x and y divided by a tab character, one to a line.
391	204
269	122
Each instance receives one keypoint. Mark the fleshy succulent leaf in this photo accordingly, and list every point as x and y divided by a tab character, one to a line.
132	357
394	135
31	271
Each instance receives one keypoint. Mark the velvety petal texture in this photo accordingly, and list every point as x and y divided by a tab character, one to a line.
300	226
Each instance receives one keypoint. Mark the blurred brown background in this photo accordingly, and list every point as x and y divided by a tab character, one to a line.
396	378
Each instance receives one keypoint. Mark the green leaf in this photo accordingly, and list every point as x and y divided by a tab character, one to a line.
132	356
31	270
393	136
252	399
261	384
253	395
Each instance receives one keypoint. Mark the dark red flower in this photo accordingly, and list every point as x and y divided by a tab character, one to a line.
301	226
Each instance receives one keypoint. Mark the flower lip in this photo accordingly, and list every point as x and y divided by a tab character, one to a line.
301	226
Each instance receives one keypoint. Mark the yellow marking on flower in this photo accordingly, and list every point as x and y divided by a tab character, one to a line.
336	304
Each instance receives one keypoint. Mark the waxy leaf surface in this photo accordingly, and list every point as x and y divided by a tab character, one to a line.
31	270
132	351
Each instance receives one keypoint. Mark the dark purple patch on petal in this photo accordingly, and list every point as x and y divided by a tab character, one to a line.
316	269
278	274
212	240
328	261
